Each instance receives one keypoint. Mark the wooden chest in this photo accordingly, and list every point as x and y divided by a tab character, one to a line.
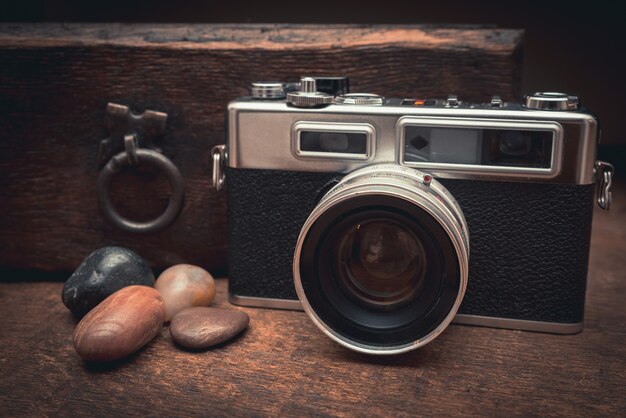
56	82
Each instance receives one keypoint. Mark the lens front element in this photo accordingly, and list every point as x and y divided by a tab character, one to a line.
381	263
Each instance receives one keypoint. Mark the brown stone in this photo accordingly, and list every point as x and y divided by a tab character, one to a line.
200	328
120	325
184	286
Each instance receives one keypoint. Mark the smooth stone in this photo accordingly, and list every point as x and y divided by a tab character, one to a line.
102	273
200	328
183	286
122	324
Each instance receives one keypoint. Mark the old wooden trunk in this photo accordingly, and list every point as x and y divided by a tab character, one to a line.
56	81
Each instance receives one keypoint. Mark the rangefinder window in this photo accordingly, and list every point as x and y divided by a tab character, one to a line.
491	147
333	140
485	146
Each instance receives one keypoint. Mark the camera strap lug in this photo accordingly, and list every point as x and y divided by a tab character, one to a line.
219	156
604	177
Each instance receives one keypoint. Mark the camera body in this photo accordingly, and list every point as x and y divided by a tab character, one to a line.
503	191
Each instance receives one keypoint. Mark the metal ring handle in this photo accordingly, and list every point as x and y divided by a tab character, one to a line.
120	161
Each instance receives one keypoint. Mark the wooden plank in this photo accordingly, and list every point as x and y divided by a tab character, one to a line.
56	79
284	366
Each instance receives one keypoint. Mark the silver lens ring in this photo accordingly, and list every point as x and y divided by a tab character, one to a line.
412	186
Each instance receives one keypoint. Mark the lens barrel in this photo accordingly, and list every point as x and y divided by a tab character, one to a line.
381	263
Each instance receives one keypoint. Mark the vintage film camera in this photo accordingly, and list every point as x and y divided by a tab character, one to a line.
387	219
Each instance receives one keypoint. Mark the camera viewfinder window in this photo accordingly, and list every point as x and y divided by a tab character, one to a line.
486	147
334	142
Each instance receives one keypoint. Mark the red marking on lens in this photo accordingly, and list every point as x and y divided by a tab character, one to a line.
419	102
427	179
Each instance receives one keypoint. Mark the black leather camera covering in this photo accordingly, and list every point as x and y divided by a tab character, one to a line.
529	242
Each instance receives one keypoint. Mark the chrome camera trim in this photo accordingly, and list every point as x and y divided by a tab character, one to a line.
460	319
361	128
260	137
438	168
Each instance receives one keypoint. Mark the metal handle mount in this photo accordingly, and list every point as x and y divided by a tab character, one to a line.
146	126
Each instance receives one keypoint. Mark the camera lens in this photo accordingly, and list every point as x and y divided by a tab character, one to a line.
380	263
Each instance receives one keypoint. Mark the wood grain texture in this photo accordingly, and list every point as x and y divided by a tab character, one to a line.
56	79
283	365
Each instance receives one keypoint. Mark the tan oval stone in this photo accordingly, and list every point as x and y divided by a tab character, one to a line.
120	325
184	286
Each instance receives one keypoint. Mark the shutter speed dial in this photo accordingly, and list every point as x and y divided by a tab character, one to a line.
308	96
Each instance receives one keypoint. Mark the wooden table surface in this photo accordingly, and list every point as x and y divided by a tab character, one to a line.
284	366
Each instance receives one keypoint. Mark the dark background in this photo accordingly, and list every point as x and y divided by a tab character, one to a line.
573	47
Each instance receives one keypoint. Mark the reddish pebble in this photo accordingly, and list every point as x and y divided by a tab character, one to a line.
200	328
120	325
